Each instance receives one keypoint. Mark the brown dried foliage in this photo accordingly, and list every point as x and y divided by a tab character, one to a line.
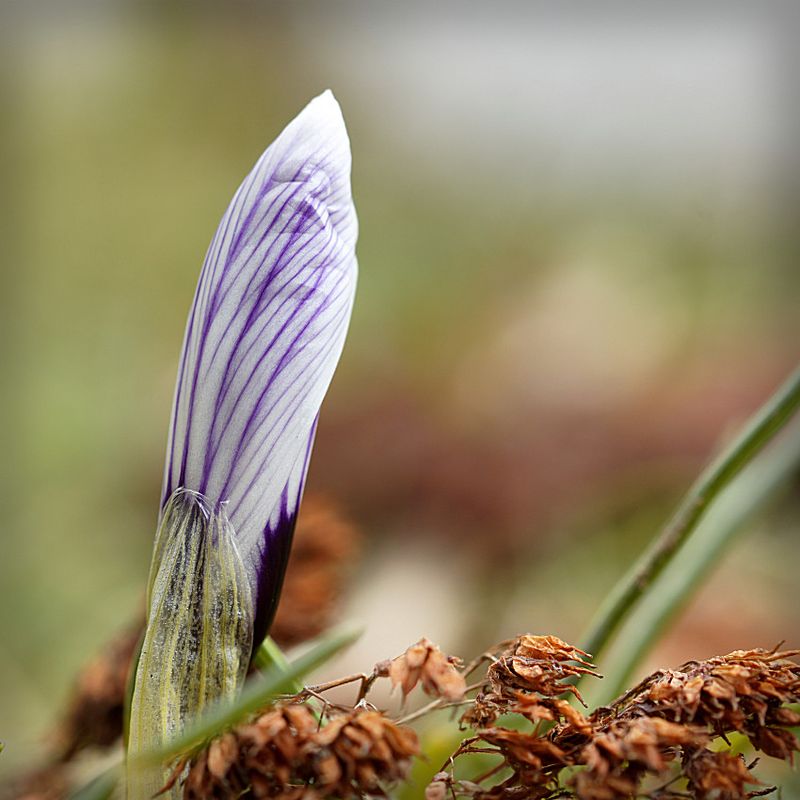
325	546
657	733
286	753
425	663
94	715
622	753
51	783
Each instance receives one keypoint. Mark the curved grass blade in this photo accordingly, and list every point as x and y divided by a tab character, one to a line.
740	502
760	430
102	787
270	657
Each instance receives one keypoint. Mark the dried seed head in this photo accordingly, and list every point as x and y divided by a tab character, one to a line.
718	776
539	664
527	678
369	749
425	663
744	691
652	736
285	753
262	754
636	745
526	752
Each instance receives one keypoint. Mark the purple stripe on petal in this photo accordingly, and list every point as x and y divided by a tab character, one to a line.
263	338
275	549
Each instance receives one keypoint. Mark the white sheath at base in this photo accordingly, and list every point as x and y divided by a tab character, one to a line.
199	634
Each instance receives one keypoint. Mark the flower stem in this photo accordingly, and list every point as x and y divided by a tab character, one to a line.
761	428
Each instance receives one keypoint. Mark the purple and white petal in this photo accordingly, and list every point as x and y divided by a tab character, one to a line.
263	339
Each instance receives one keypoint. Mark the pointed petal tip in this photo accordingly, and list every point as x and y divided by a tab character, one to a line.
317	138
327	96
328	101
322	118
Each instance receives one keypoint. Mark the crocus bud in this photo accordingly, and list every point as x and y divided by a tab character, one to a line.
264	335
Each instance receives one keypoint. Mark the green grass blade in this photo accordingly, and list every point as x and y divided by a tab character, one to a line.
760	430
737	505
270	657
101	787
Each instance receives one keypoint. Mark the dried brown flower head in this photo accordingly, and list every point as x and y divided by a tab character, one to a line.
527	677
656	734
369	750
286	753
621	753
718	776
744	691
260	756
425	663
533	758
539	664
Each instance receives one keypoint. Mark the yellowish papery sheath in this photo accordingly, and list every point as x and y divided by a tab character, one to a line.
199	634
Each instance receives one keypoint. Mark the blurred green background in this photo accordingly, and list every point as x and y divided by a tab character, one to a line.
578	275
